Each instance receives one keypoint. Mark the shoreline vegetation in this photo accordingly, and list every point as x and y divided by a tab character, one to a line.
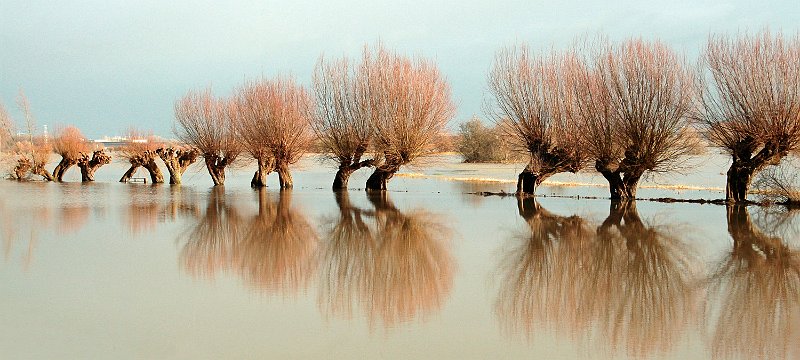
625	110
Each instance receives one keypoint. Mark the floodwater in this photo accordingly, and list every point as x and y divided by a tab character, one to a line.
427	270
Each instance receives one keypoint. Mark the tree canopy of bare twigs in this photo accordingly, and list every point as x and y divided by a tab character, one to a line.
410	105
204	122
343	114
780	184
633	106
271	120
71	145
750	103
530	95
141	151
6	128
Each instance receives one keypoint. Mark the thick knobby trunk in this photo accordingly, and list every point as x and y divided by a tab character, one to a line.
284	176
65	163
621	188
527	182
23	167
738	182
89	165
260	177
342	178
216	171
177	161
155	173
129	174
380	177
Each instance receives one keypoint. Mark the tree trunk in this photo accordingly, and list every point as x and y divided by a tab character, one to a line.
738	182
129	174
342	178
38	169
527	181
284	176
177	161
379	178
216	171
23	167
155	173
89	165
65	163
260	177
621	188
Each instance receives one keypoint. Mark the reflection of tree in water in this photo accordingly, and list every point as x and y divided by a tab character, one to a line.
396	266
146	208
754	295
626	284
274	250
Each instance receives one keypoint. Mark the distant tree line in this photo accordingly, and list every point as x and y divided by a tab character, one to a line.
627	109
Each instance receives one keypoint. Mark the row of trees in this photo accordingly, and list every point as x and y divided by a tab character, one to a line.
629	109
383	111
636	107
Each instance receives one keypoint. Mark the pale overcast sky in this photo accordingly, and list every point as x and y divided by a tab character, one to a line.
108	65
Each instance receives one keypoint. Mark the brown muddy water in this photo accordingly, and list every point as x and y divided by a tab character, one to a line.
117	271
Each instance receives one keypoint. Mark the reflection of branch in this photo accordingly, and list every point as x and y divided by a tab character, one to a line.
211	245
630	280
278	250
274	251
753	296
398	265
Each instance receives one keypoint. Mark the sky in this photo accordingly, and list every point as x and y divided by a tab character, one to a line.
106	66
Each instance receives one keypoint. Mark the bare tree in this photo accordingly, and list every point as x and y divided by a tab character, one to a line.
89	164
750	103
530	95
410	105
342	117
141	151
271	119
177	161
33	158
633	107
206	125
25	107
71	145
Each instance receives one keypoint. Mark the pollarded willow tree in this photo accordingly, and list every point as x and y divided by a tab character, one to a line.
342	118
271	119
633	106
141	151
532	103
71	145
750	103
205	123
410	105
177	160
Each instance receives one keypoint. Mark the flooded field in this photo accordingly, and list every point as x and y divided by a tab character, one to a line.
427	270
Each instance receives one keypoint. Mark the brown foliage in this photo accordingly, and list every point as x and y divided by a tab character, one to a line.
271	120
633	108
530	95
750	103
70	144
205	123
410	105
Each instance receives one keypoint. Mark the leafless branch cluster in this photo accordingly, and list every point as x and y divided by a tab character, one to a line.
633	105
205	123
749	102
342	120
531	96
409	104
271	120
